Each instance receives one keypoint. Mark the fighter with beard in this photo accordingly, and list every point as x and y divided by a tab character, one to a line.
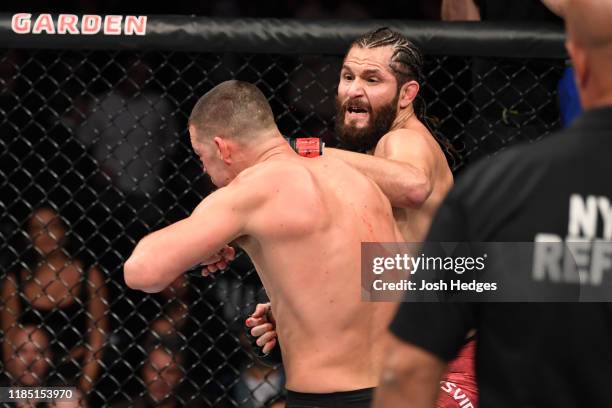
379	119
376	118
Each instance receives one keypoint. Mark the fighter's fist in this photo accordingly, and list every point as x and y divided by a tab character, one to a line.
218	261
262	327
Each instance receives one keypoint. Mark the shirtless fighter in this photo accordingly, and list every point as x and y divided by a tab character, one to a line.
378	113
285	211
376	119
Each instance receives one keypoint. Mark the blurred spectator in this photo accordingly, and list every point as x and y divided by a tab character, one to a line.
166	312
162	373
30	359
129	131
190	312
78	400
30	364
175	307
163	376
59	293
259	385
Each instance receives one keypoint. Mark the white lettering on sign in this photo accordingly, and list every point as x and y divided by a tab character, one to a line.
71	24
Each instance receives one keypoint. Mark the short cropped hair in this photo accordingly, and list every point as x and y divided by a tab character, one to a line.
238	109
406	62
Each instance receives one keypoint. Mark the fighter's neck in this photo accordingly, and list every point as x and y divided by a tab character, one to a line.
403	118
271	149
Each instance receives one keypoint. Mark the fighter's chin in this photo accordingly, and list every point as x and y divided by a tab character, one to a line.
220	182
357	123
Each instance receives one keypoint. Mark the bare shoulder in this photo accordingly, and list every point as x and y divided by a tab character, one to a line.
409	145
333	162
268	175
275	186
399	138
265	181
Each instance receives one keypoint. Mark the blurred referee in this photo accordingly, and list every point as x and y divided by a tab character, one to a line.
528	355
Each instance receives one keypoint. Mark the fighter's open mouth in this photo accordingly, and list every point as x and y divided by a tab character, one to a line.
355	109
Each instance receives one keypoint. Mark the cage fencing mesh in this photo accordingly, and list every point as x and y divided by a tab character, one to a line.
99	140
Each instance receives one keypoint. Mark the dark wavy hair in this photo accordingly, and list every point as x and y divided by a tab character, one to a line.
407	65
406	61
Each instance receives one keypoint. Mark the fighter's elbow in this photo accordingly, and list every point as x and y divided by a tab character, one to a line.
132	273
417	191
139	276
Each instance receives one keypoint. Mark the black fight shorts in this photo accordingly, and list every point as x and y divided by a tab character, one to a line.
358	399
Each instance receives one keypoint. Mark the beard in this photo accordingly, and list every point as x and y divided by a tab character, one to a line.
364	139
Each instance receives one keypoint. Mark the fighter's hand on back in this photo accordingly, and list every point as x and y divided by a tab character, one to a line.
263	327
218	261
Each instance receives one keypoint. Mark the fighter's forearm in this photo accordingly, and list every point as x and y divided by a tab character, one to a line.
156	261
138	273
556	6
459	10
404	185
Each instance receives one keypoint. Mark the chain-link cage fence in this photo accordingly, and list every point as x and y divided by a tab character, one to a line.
95	154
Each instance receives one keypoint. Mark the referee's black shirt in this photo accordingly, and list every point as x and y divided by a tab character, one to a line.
529	355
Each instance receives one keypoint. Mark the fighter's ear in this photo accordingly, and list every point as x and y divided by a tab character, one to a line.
407	93
224	150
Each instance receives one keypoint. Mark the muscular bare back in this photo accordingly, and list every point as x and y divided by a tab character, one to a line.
305	243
